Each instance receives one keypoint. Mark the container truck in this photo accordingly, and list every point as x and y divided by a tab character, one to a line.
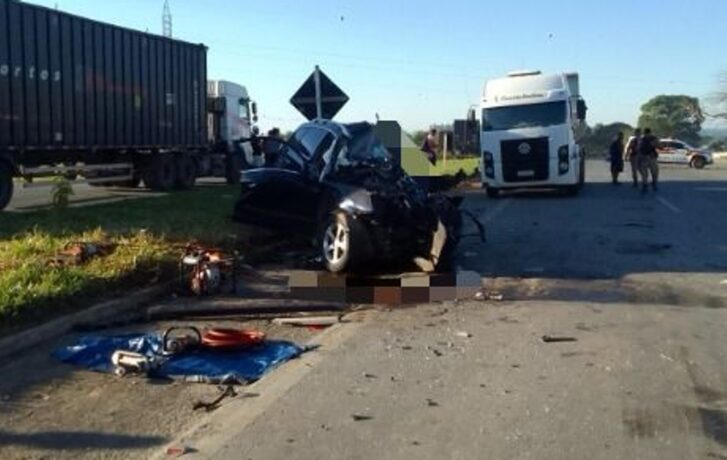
528	132
112	105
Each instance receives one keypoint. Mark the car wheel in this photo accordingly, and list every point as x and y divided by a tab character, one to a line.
698	162
493	192
342	243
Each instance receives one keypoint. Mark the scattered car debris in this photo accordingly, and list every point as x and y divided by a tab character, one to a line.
552	339
308	321
494	296
177	451
432	403
369	376
206	271
78	253
463	334
229	392
361	418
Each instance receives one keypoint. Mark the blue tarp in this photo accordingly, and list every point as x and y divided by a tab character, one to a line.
209	366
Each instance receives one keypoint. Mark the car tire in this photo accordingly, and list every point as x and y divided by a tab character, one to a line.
698	163
493	192
186	172
342	243
161	173
6	185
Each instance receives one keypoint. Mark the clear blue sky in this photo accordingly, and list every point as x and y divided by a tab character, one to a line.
424	62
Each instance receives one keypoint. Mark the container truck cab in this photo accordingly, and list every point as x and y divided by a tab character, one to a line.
528	132
231	115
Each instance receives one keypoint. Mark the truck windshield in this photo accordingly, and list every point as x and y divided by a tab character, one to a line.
523	116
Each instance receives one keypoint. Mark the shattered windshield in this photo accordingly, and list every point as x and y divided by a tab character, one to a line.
363	147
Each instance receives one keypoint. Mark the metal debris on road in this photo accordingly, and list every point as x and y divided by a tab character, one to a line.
308	321
463	334
177	451
361	418
432	403
552	339
229	392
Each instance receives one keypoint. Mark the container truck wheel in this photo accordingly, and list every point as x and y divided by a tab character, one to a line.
6	185
186	172
161	173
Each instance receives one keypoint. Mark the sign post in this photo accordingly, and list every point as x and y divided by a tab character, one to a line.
319	97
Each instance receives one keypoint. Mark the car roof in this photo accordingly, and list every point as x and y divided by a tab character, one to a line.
339	129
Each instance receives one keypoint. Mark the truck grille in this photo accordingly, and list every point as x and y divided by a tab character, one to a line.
525	160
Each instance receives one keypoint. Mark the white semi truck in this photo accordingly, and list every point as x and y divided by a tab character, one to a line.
528	137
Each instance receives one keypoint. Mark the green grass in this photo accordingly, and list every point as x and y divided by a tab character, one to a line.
453	165
148	235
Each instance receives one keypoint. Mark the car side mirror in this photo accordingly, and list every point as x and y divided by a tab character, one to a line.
581	110
253	107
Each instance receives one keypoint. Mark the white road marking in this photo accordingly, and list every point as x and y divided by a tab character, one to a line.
489	217
666	203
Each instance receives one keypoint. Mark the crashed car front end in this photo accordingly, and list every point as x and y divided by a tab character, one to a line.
403	222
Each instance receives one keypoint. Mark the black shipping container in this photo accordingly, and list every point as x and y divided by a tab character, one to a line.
70	82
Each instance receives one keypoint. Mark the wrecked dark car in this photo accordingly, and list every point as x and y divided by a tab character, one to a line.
338	185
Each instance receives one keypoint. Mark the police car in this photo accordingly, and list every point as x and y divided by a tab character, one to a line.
679	152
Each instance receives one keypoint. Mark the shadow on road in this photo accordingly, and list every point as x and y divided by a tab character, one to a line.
76	440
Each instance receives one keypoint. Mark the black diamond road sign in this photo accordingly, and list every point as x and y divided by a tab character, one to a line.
319	97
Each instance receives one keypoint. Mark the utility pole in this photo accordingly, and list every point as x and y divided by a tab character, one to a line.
167	20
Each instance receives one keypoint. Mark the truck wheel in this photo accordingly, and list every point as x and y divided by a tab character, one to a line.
161	173
698	162
6	185
233	166
493	192
186	172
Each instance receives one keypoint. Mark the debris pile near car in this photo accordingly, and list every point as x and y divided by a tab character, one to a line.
79	253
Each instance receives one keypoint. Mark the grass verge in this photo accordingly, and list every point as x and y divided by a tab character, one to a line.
454	165
147	235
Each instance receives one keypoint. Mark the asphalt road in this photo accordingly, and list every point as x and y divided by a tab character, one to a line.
638	282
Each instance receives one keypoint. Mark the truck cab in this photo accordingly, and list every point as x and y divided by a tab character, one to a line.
231	116
528	132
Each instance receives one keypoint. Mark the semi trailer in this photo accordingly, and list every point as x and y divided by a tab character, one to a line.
110	105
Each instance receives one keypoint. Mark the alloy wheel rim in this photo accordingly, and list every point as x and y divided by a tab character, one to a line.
335	242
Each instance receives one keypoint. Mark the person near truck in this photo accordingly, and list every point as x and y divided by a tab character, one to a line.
430	146
616	152
632	155
648	161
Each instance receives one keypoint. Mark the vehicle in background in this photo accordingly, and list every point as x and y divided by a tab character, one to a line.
338	184
528	137
112	105
679	152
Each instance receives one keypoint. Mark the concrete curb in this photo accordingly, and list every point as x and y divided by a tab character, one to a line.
60	326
